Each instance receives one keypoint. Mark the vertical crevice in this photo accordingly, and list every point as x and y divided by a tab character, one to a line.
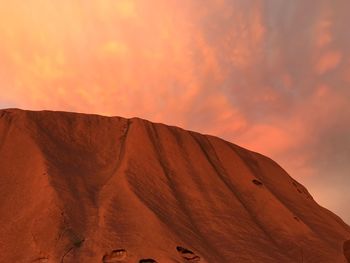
257	173
211	156
104	188
162	159
121	153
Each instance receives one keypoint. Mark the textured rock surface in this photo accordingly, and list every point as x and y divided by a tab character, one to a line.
347	250
87	188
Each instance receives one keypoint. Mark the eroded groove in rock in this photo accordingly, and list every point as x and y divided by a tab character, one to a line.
213	159
147	260
116	255
257	182
187	254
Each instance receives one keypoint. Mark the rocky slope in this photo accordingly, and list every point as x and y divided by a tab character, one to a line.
87	188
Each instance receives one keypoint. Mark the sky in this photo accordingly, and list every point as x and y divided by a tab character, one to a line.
272	76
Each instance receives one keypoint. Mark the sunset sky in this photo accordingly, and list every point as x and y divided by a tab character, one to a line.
269	75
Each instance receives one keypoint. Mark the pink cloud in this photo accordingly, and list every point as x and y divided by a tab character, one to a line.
328	61
267	75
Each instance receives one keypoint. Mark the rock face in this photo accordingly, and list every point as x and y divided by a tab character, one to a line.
87	188
347	250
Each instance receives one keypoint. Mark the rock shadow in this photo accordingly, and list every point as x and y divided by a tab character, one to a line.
187	254
346	250
257	182
116	255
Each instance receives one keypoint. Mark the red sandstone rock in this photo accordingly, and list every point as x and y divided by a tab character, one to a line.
87	188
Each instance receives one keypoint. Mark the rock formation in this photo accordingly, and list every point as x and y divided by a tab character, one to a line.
88	188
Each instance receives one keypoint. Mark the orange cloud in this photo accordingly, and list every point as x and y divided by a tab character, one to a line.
253	72
328	61
323	33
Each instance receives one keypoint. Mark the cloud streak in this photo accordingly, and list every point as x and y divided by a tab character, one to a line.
269	75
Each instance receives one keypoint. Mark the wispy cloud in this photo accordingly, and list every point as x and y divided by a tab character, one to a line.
267	74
